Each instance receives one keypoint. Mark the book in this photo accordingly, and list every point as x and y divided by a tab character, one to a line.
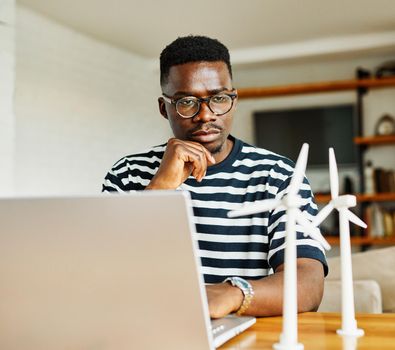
391	180
377	176
387	223
377	228
384	180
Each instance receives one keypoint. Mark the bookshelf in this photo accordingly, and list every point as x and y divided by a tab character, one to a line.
369	208
363	83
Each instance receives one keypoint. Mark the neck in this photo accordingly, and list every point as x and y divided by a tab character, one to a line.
224	151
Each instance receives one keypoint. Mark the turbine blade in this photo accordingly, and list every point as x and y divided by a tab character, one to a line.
333	174
255	208
322	214
303	221
299	171
355	219
316	235
312	230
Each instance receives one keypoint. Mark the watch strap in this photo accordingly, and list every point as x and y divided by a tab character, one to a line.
246	289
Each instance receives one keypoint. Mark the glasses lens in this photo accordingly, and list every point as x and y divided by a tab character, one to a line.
221	104
187	106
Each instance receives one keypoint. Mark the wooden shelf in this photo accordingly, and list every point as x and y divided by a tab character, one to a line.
322	198
363	240
374	140
377	197
310	88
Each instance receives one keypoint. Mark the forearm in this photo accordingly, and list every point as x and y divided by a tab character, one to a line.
268	298
223	298
160	184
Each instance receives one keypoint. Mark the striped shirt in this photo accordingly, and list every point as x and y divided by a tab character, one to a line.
248	246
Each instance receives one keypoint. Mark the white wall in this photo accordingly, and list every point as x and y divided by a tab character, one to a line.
320	69
7	76
80	105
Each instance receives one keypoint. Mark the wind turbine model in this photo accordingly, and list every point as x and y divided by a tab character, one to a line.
342	203
291	202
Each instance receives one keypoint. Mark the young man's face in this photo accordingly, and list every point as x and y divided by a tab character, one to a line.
199	79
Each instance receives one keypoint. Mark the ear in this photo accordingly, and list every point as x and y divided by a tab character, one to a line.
162	107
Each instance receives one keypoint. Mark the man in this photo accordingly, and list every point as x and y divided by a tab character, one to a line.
222	173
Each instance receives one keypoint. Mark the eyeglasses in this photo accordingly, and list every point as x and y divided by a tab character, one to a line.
189	106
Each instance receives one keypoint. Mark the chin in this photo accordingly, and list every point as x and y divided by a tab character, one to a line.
215	147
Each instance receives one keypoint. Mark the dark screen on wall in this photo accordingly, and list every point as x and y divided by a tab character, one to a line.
284	132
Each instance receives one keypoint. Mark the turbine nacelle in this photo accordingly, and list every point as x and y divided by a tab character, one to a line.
344	201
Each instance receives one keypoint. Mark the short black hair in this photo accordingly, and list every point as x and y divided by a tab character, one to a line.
192	48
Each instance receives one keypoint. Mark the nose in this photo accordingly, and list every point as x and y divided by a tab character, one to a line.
205	115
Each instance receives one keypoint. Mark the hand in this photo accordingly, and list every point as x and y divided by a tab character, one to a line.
223	299
180	160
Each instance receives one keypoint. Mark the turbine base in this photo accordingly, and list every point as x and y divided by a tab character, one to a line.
357	332
285	346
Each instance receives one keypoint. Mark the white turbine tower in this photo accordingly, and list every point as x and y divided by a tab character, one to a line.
291	202
342	203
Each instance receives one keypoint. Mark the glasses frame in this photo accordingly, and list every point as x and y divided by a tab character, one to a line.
200	100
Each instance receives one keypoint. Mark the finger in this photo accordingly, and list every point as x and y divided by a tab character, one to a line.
200	147
176	143
200	166
194	153
188	167
198	161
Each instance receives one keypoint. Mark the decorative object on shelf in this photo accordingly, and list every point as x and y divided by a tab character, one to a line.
291	202
369	177
342	204
387	69
385	125
363	73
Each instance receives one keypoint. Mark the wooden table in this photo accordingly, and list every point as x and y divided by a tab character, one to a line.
318	331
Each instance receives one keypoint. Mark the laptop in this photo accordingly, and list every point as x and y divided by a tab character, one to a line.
106	272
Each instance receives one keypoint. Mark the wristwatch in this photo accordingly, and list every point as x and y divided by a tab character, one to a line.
247	290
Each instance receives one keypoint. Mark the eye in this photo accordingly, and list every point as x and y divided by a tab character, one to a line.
220	99
186	102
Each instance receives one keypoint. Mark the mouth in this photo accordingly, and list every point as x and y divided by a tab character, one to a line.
205	136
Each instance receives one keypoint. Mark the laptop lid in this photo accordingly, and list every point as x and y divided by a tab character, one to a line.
108	272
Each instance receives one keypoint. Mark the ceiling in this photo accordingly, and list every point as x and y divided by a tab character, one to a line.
247	27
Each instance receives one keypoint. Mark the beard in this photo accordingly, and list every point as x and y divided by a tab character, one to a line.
217	148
